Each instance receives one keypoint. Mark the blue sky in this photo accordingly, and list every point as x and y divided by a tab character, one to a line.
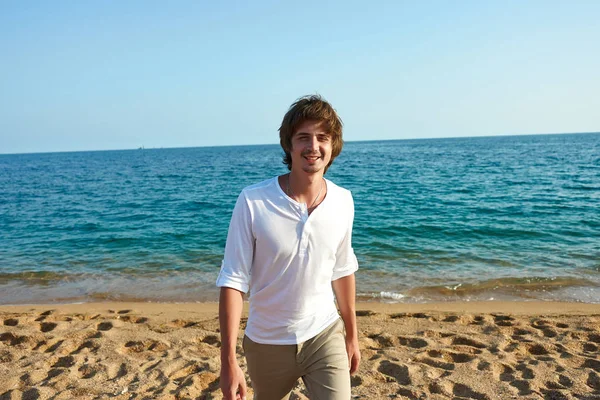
113	75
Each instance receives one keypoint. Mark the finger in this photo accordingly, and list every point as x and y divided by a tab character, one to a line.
355	364
243	389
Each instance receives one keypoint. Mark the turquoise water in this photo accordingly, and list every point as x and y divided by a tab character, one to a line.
501	218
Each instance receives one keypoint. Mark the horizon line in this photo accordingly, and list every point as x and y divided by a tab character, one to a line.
271	144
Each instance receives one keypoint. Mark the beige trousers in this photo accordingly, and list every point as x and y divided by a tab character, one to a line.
321	362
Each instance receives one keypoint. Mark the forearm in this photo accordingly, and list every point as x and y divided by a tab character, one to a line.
230	311
345	293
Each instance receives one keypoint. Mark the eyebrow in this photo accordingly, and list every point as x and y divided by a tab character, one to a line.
318	134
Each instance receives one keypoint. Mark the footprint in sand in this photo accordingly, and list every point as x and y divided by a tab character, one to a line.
590	347
136	346
555	395
11	322
526	372
54	372
593	381
443	388
594	338
396	371
565	381
13	340
436	364
178	323
537	350
44	315
549	332
465	341
503	320
591	363
64	362
104	326
435	353
415	343
484	366
404	392
505	373
47	326
451	318
540	324
461	390
213	340
135	320
522	332
90	345
382	340
523	386
458	358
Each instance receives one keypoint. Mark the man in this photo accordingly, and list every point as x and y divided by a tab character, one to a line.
289	246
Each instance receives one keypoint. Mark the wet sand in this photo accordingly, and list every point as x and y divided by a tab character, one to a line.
487	350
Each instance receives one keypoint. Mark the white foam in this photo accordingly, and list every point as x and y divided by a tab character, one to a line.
391	295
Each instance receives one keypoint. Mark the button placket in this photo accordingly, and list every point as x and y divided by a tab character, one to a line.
304	238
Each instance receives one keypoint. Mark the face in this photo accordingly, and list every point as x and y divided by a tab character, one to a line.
311	147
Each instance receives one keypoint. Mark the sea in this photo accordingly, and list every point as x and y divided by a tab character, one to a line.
437	220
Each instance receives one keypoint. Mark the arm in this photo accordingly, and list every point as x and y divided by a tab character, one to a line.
233	381
234	280
345	293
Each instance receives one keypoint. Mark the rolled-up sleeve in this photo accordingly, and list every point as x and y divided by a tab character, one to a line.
239	249
346	262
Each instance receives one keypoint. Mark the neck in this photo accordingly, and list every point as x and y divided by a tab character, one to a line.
305	187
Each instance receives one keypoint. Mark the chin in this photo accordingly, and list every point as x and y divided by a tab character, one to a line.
312	170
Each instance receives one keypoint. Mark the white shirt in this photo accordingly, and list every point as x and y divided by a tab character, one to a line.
287	260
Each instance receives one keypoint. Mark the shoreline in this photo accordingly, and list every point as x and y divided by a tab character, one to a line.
184	288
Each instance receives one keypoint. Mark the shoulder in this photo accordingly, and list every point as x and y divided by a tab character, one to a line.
340	198
337	191
260	190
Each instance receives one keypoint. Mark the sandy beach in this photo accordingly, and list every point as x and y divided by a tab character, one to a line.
488	350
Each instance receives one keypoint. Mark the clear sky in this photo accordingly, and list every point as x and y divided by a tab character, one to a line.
93	75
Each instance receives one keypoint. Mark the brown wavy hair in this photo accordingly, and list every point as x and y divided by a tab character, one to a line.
310	108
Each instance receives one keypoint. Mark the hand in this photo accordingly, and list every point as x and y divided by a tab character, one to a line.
353	355
232	382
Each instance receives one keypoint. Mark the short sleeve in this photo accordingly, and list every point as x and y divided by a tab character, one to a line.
239	249
346	262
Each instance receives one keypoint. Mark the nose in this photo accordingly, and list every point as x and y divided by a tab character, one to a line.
314	143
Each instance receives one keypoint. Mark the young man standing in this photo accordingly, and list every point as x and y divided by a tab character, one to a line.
289	246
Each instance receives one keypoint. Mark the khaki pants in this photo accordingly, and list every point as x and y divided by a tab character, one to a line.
321	362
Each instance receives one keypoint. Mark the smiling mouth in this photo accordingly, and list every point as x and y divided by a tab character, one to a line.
313	158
